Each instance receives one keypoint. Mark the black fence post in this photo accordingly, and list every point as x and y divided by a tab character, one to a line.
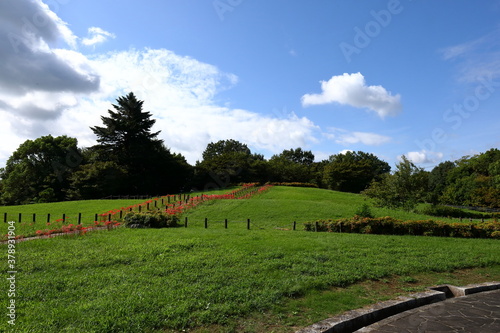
121	214
20	217
186	222
34	217
109	218
64	218
48	217
5	217
96	217
317	226
225	223
248	224
206	222
79	218
294	225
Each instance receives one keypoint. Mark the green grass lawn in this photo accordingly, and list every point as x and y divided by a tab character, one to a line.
131	280
88	209
218	280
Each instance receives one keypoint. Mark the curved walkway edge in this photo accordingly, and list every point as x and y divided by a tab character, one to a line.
358	320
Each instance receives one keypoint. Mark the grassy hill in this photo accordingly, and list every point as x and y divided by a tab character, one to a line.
281	206
234	280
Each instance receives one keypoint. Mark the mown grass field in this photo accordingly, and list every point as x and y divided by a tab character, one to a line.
234	280
88	209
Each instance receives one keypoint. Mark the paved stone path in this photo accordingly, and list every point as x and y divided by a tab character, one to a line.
476	313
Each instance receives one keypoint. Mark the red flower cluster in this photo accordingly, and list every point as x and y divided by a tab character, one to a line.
244	192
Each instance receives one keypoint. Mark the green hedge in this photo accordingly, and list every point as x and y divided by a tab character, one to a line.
391	226
446	211
150	219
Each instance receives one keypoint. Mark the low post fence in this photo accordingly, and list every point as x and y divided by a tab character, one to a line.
226	223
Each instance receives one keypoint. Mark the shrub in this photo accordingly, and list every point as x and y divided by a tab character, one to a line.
390	226
364	211
446	211
151	219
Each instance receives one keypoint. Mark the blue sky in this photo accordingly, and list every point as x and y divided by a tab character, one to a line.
410	77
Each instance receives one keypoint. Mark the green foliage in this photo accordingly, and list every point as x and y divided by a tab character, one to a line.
403	189
228	162
439	180
353	171
143	163
446	211
150	219
364	211
97	180
390	226
293	165
39	170
474	181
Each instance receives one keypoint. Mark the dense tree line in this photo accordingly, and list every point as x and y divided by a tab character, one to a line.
472	181
129	159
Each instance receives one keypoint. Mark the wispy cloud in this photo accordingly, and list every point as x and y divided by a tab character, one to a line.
351	89
476	58
97	36
346	138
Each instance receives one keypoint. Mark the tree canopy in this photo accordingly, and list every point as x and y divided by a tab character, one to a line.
353	171
39	170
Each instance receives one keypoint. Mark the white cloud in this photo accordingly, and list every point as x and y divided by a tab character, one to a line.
424	157
180	93
63	92
345	137
97	36
351	89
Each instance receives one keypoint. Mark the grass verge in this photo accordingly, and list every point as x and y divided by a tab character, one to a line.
174	279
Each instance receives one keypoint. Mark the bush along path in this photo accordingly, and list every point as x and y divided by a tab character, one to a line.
390	226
